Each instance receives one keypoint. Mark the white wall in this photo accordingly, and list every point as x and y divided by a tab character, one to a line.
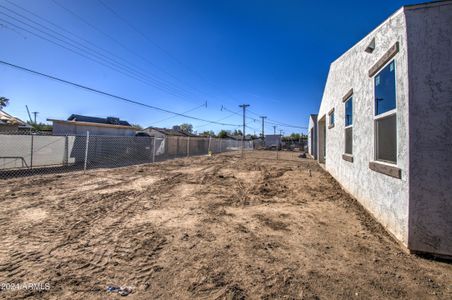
384	196
430	64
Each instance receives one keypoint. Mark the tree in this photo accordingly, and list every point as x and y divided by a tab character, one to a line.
223	134
208	133
185	127
3	102
40	126
237	132
295	136
137	126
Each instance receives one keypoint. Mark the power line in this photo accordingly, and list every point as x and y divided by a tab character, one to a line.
106	61
185	112
98	56
99	61
271	121
222	119
146	37
83	20
237	113
74	35
109	94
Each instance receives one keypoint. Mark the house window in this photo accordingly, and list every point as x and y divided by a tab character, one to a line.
349	126
385	115
331	118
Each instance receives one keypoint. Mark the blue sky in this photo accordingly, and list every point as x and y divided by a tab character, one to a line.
273	55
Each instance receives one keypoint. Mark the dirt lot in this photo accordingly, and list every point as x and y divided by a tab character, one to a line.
207	227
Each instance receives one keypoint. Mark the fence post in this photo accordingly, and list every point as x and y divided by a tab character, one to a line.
153	150
86	151
32	150
208	148
188	146
165	146
66	151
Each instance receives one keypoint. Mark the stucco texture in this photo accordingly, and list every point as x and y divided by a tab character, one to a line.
384	196
429	31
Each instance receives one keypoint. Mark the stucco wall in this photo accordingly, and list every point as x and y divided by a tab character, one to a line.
429	31
384	196
312	136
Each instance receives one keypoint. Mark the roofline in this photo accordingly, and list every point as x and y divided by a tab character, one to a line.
15	118
398	11
164	131
427	4
92	124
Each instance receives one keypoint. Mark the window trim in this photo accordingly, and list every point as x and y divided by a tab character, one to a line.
387	113
385	168
331	112
384	60
348	95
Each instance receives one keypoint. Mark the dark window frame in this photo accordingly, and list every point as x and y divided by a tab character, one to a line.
383	115
348	126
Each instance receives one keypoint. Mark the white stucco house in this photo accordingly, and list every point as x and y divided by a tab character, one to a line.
384	128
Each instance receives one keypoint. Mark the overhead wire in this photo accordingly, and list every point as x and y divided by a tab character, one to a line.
146	37
62	44
108	61
185	112
156	83
116	41
120	98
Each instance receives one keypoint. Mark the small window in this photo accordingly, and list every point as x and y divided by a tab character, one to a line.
385	96
349	126
385	115
331	118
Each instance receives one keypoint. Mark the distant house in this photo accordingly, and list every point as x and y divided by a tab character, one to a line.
8	123
164	132
272	140
80	125
312	136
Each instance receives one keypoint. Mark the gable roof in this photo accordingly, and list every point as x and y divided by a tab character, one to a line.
7	119
108	120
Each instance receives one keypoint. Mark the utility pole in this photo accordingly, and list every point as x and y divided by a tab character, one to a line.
243	106
35	113
263	120
280	136
274	129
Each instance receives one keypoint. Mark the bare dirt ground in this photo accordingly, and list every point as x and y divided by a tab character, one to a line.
206	227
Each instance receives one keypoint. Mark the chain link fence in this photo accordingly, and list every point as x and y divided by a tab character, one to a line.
37	153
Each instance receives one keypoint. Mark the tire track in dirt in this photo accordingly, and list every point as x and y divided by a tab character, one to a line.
208	227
